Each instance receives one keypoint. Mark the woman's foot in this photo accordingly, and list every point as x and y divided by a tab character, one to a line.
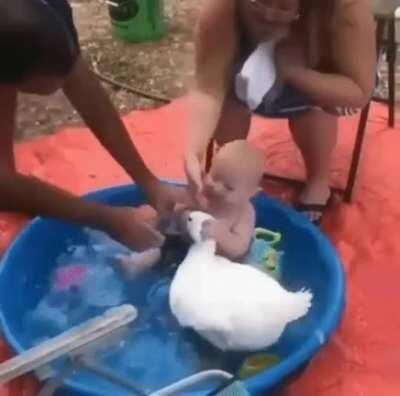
313	200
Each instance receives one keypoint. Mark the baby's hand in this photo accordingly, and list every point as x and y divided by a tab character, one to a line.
212	229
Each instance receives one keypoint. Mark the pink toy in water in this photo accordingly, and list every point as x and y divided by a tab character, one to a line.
67	277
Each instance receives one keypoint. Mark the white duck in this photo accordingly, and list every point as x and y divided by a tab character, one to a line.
234	306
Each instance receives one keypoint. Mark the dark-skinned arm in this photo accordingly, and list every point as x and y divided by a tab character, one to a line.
95	107
86	94
29	195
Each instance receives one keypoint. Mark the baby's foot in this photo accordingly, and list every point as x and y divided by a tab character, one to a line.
137	263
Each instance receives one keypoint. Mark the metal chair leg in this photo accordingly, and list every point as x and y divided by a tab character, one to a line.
357	151
391	59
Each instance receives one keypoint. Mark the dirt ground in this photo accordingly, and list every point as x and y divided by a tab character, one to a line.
160	67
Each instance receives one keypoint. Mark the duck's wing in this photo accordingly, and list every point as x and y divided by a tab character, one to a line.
244	275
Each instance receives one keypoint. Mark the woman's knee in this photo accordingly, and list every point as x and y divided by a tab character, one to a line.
313	120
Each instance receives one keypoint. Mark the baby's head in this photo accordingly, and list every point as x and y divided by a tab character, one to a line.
235	174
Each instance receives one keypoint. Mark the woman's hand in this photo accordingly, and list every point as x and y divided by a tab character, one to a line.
269	19
129	227
195	176
285	14
163	197
342	111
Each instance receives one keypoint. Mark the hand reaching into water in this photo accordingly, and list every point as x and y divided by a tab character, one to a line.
164	197
128	227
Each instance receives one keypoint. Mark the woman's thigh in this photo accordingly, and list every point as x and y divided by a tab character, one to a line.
234	122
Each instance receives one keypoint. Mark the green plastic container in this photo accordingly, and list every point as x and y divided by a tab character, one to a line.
137	20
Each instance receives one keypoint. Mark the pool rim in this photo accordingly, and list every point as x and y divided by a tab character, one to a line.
273	376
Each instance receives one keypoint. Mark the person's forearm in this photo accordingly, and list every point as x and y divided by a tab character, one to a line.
33	197
329	90
205	110
91	101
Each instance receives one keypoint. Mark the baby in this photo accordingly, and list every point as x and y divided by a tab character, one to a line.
234	178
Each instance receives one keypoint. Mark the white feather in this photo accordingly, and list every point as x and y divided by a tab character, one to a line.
234	306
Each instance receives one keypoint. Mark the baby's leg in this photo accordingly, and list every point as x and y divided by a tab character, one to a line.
137	263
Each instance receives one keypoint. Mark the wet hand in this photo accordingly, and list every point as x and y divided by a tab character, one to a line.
129	228
164	197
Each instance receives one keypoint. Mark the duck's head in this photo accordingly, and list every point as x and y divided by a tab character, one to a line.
194	224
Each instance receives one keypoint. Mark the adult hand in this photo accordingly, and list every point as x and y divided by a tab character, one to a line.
128	227
271	13
163	197
195	175
342	111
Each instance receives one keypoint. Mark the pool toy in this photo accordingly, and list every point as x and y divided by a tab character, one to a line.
257	363
69	276
76	347
67	343
265	253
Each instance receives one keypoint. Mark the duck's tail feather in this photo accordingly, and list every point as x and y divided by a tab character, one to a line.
300	303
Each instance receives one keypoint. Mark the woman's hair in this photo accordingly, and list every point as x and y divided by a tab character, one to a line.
34	39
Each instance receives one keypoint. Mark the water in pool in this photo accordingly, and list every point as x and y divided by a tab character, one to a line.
156	352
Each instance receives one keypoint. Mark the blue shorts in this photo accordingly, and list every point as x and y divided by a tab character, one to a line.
288	104
64	11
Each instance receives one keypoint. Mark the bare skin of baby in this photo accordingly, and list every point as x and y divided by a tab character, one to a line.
234	178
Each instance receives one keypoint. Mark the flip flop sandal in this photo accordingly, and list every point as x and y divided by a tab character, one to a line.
307	208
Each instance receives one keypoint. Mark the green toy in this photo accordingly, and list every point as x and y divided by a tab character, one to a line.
273	238
257	364
137	20
265	252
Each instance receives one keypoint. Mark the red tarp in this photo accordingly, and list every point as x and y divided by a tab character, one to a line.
364	357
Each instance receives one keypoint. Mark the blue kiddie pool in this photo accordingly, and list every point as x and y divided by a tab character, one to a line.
157	352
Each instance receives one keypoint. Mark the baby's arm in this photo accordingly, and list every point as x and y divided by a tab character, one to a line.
234	241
